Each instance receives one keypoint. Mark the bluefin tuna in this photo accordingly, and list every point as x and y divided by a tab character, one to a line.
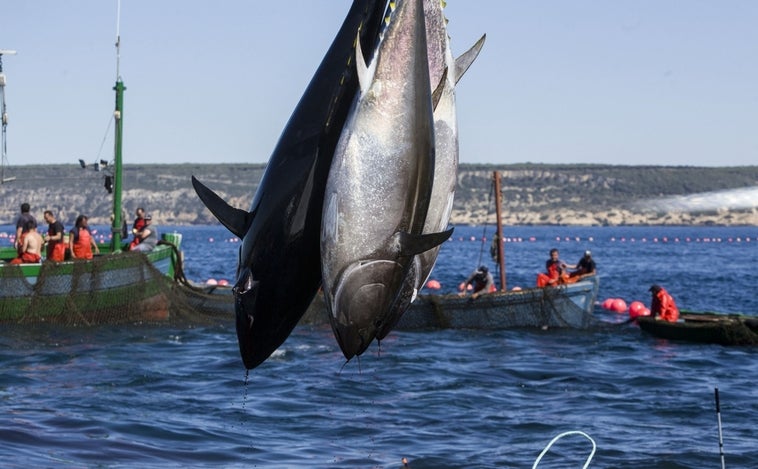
279	270
444	73
380	183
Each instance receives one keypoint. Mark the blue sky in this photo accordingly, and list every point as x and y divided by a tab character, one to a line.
634	82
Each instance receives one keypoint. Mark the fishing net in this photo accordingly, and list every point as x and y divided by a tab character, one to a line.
738	333
537	307
113	289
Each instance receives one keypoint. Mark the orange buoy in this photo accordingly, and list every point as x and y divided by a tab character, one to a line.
636	308
619	305
433	285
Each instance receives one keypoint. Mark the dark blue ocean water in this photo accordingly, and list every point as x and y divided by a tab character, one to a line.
178	397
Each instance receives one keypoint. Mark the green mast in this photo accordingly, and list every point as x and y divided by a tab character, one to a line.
118	115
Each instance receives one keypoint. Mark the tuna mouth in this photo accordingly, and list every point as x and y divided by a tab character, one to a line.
362	303
245	295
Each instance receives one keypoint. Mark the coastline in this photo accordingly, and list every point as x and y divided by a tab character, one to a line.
618	217
533	194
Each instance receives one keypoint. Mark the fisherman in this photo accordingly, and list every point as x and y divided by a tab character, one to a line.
22	222
584	268
137	226
148	236
29	252
81	243
482	281
56	248
556	273
663	305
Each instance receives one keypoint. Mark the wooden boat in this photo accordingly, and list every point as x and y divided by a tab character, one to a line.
563	306
116	286
711	328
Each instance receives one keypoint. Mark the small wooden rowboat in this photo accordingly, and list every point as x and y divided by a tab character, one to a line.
711	328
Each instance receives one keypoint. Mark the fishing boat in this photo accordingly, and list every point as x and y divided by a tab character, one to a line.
116	286
567	305
705	327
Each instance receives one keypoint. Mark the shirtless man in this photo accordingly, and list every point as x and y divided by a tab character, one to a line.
30	251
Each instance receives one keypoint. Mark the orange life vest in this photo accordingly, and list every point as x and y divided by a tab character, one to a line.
83	245
665	307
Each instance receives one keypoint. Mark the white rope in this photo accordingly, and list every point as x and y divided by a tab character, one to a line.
575	432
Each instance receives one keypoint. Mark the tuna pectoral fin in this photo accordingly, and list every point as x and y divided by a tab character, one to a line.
438	91
463	62
234	219
364	81
411	244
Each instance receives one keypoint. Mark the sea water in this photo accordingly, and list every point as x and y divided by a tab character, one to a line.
139	396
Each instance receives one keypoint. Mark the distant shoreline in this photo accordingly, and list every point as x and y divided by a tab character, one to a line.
533	194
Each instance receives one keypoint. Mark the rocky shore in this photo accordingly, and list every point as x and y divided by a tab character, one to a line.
615	217
532	194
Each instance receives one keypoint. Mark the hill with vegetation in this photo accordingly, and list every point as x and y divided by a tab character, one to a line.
533	194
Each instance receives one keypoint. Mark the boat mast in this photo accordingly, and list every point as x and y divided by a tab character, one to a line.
4	114
499	216
118	140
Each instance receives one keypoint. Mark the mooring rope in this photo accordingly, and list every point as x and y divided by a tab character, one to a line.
573	432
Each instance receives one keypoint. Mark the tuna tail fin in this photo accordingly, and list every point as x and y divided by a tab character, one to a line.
463	62
234	219
437	94
411	244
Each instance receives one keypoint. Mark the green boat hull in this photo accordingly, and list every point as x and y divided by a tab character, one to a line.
111	288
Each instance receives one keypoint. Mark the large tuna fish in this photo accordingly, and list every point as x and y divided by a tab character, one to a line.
279	270
380	183
444	73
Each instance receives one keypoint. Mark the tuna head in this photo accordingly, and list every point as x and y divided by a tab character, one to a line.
364	288
279	267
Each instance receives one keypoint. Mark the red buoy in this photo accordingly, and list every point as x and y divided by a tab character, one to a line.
433	285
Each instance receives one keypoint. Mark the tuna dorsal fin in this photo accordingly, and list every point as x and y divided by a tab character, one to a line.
234	219
411	244
437	94
463	62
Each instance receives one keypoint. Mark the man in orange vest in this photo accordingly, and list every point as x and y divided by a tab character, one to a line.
663	305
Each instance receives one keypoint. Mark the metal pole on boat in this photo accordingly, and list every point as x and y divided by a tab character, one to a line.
117	166
721	440
499	217
4	114
118	115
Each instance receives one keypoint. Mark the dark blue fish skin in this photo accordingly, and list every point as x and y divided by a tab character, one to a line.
279	271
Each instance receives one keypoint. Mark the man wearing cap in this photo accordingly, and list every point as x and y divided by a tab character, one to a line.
482	281
663	305
584	268
148	236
